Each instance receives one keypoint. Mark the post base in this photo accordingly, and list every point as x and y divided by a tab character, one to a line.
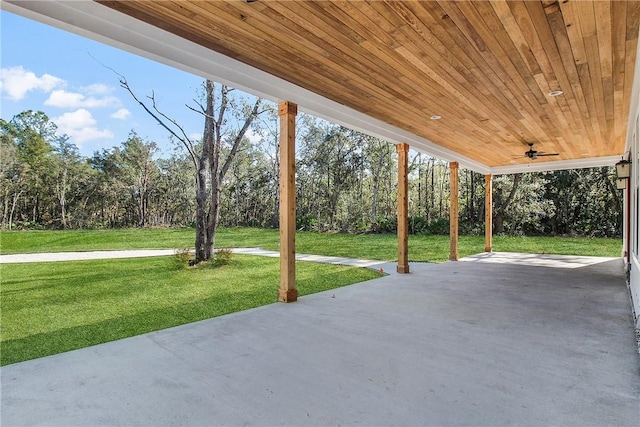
403	269
285	295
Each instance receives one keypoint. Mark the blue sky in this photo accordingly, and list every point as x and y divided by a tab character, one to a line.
44	68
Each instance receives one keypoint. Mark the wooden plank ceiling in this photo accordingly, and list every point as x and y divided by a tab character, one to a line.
485	67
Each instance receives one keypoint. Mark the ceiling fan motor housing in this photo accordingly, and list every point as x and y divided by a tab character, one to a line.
533	154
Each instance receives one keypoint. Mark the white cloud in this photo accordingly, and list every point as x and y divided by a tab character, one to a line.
121	114
253	136
62	99
16	82
80	126
97	89
195	136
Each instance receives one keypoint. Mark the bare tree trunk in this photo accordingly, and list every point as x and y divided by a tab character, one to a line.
472	196
376	193
441	197
141	210
374	203
217	171
419	213
207	168
5	211
34	212
432	197
214	217
500	210
498	223
276	208
276	205
62	197
212	139
201	212
612	188
14	202
616	198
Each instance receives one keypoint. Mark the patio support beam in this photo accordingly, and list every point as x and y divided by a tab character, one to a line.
287	112
488	213
403	211
453	211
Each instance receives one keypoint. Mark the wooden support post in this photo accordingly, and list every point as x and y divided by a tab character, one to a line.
453	211
488	213
287	112
403	211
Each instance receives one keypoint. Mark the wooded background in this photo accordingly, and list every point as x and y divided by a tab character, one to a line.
346	181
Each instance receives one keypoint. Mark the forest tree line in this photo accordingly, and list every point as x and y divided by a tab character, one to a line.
346	182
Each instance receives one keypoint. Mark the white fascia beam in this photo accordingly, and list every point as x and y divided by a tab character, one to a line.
541	166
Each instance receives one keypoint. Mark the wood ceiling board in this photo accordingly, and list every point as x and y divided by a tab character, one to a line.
378	86
91	20
486	67
514	50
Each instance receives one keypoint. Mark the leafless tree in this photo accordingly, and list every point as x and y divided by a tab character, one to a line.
210	160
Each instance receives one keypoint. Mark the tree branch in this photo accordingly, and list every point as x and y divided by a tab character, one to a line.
239	137
184	139
202	110
505	204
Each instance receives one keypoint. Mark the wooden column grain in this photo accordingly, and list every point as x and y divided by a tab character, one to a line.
288	291
403	211
488	213
453	211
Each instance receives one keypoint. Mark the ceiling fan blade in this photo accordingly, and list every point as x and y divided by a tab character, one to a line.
548	154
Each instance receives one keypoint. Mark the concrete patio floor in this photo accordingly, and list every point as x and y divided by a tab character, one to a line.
501	339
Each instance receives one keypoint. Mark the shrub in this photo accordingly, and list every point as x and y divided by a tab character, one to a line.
182	257
387	224
438	226
361	226
222	256
418	225
306	222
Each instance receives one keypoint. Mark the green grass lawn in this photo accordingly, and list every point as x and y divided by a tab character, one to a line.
371	246
49	308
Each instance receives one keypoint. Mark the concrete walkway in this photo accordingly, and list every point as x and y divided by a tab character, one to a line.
82	256
500	339
388	267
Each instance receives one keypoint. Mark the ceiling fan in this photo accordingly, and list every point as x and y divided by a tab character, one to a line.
533	154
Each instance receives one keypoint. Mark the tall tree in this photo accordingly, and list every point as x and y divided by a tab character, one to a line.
268	127
108	188
331	159
175	204
379	161
67	157
213	157
502	201
12	173
33	133
138	172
